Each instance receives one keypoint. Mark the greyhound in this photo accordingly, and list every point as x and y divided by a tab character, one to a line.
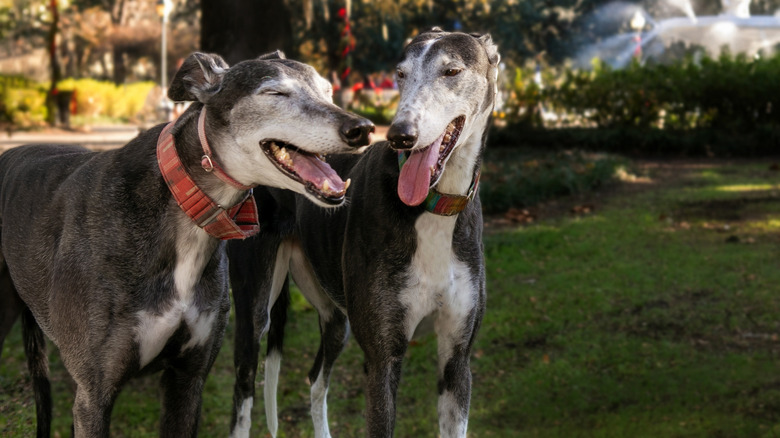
118	256
404	252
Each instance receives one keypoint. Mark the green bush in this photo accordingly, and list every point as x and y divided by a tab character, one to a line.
22	103
96	99
729	105
514	177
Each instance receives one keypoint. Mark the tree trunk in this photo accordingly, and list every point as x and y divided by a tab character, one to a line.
56	74
244	29
118	59
117	53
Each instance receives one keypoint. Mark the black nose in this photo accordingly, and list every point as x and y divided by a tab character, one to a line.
402	135
355	131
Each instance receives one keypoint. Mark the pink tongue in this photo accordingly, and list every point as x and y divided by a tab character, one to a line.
311	169
415	179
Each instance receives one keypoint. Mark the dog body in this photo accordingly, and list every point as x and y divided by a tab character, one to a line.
97	254
383	264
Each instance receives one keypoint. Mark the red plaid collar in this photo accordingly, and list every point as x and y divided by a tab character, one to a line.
237	222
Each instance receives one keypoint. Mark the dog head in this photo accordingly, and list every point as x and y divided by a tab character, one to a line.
271	120
447	82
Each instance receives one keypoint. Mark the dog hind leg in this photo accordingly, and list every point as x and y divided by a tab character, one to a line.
334	330
274	356
11	305
38	364
333	337
253	264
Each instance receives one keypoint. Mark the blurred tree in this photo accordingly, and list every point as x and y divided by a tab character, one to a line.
244	29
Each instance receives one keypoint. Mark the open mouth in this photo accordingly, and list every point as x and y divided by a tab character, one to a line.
423	167
309	169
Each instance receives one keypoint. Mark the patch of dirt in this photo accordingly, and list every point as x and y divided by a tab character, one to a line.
295	414
730	210
699	318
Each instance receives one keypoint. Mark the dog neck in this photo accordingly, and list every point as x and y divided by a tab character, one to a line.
463	166
230	222
193	147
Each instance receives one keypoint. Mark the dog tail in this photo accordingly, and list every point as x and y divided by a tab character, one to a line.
38	364
273	358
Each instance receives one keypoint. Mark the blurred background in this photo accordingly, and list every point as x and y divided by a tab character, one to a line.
566	63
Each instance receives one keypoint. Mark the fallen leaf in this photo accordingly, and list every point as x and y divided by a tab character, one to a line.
583	209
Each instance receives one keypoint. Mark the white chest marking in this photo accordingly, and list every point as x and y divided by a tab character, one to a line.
154	330
431	274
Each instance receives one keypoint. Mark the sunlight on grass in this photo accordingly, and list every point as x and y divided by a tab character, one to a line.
747	187
767	226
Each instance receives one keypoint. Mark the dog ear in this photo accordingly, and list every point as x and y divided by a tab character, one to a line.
490	48
199	78
277	54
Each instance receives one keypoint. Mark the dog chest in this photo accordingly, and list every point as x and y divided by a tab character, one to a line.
436	278
193	251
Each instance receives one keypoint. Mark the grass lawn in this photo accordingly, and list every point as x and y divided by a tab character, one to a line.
656	314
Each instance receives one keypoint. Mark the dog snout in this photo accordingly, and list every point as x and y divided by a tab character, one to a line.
355	132
402	135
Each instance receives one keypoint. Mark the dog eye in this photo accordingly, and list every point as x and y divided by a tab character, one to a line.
274	93
452	72
400	74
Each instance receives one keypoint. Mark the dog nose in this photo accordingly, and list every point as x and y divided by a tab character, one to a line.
355	132
402	135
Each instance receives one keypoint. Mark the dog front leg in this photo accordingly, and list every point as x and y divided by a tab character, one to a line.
382	378
384	344
182	392
92	412
455	330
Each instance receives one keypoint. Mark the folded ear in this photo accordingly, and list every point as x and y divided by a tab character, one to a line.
490	48
277	54
199	78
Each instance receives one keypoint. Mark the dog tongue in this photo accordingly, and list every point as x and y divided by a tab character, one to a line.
314	170
415	178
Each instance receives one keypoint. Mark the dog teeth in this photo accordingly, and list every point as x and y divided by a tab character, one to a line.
281	154
433	170
326	186
347	183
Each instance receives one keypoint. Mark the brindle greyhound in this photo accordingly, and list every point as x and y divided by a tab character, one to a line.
405	249
117	256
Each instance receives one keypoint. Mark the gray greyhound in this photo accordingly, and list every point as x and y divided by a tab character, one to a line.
404	252
117	256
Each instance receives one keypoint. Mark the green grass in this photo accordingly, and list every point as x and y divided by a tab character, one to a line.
656	316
